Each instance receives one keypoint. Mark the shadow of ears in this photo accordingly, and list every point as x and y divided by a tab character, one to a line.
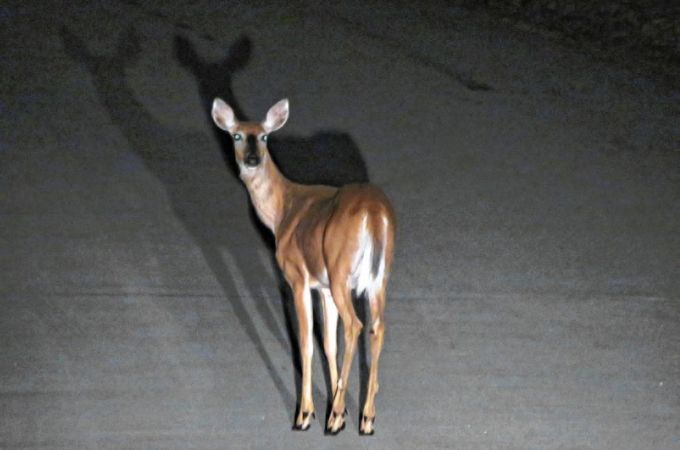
327	157
214	78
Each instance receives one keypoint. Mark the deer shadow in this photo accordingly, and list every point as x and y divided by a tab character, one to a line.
178	160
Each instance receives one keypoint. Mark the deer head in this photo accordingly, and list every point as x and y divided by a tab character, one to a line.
250	138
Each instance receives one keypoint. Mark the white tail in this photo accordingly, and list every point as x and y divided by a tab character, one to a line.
368	268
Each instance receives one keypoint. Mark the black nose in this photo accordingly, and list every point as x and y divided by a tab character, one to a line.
252	160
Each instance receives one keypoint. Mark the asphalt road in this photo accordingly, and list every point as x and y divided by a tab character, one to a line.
535	298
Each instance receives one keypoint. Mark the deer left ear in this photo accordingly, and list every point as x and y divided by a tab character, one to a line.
276	116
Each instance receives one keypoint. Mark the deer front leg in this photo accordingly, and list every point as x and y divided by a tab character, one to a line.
330	337
303	310
352	327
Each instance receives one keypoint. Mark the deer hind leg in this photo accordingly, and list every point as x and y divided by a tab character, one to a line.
330	336
377	335
303	310
352	327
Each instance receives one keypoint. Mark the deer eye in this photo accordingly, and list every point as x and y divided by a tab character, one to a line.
238	137
263	138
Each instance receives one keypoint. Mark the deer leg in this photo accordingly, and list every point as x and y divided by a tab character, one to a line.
303	310
330	336
352	327
377	335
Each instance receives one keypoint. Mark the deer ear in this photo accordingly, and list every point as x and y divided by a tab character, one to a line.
223	115
276	116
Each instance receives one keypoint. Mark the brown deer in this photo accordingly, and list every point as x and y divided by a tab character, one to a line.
334	240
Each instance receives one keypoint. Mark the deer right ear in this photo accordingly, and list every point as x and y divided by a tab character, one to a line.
223	115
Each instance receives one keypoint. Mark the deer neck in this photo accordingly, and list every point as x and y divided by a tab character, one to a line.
268	189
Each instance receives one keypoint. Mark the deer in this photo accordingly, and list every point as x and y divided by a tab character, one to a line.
338	241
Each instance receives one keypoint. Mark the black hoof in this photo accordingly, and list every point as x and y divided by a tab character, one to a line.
334	433
297	427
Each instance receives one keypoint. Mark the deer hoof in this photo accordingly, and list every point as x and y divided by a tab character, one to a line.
304	421
336	423
334	433
367	427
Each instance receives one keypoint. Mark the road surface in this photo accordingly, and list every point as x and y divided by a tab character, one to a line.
535	298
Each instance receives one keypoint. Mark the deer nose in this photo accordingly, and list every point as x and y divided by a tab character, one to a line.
252	160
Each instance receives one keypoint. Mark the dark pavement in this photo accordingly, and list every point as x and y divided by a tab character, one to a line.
535	298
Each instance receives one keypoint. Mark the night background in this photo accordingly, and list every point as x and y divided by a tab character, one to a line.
531	149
